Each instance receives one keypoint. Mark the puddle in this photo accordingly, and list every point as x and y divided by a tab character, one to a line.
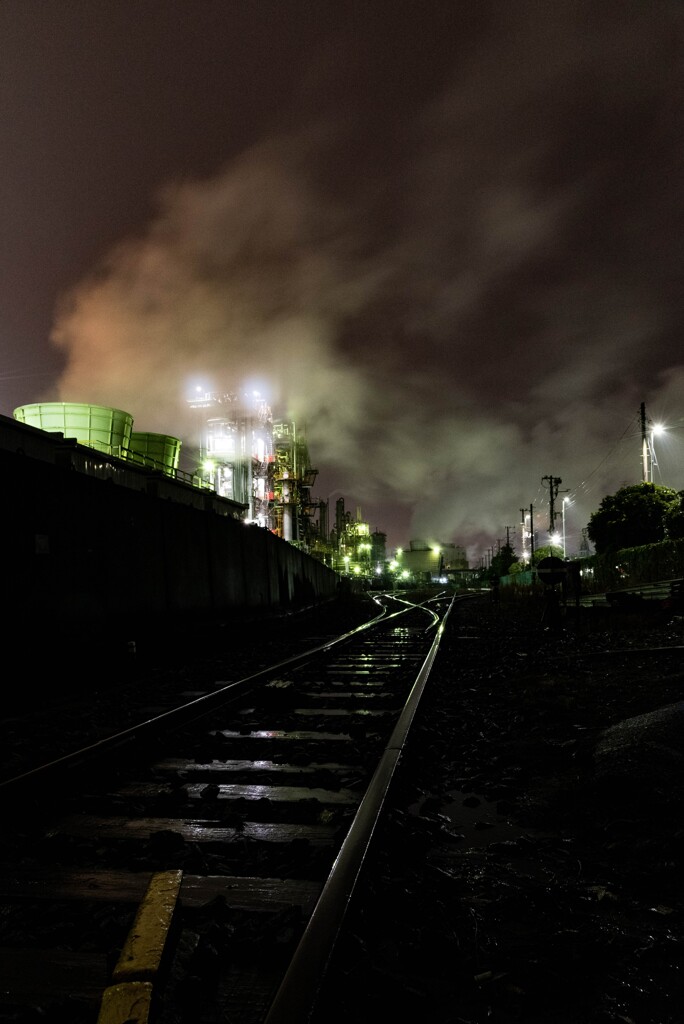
473	817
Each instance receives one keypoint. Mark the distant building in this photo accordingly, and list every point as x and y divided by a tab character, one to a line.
236	450
355	549
247	456
293	480
432	560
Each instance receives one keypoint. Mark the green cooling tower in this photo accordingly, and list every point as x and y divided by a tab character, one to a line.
108	430
156	450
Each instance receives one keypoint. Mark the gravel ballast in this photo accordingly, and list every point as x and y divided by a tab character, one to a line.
530	864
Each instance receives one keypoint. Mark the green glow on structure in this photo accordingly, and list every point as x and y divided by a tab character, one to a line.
97	426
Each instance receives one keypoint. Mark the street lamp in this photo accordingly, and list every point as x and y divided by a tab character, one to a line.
656	430
648	458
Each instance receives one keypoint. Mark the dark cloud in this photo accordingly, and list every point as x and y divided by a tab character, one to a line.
450	243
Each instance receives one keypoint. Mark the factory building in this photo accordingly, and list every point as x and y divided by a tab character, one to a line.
432	561
236	457
258	467
355	549
294	507
102	537
249	457
109	431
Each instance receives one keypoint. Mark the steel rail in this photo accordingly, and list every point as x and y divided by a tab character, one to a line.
181	715
333	895
296	997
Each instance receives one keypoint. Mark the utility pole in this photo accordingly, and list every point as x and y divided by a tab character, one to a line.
644	444
554	482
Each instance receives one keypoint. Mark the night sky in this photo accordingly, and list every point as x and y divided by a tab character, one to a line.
445	238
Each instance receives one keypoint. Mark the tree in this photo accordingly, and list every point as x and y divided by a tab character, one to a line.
502	561
546	551
674	518
631	517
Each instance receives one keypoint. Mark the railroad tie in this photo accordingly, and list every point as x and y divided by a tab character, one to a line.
128	999
128	1003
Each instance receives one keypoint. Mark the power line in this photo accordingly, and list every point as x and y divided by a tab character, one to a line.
608	454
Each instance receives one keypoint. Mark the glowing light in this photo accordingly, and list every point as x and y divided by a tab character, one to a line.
650	460
566	501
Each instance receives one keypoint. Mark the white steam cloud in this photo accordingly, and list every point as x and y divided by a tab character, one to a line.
487	306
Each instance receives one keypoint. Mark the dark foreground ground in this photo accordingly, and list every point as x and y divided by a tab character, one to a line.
533	864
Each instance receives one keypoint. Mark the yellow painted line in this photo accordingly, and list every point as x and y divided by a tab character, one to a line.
142	952
129	1003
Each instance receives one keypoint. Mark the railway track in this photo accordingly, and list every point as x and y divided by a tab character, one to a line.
198	865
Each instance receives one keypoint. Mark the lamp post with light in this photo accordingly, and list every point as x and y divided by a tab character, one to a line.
648	458
656	430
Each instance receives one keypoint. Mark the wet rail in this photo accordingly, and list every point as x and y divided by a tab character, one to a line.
199	864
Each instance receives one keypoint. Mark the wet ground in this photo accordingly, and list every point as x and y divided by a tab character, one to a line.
534	864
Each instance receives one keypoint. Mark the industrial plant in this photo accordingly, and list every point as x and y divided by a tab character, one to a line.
260	466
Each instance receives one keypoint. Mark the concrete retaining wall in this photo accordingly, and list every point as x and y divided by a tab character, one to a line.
82	550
